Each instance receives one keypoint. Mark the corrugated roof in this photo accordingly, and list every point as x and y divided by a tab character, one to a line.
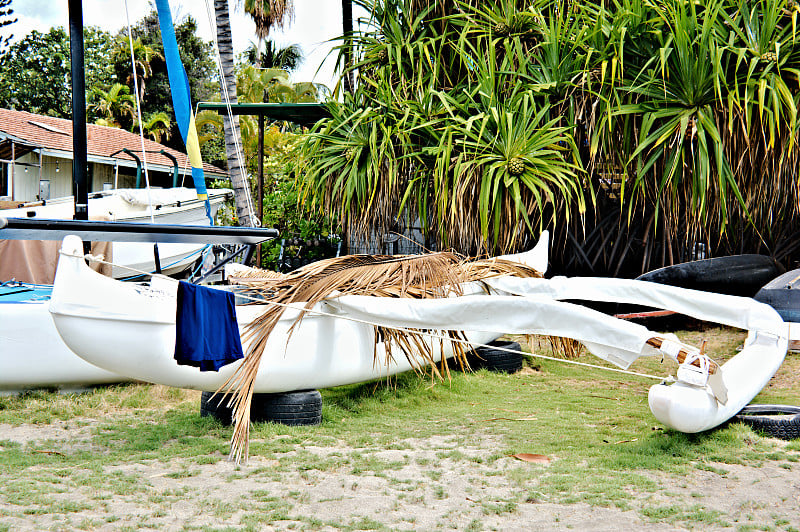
52	133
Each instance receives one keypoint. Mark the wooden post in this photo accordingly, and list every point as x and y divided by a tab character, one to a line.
13	165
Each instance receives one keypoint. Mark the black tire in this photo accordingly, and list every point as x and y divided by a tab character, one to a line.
291	408
215	407
777	421
497	360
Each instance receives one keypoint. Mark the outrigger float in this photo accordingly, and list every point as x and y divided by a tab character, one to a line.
131	330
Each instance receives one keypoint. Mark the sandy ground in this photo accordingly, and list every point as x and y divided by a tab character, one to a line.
423	489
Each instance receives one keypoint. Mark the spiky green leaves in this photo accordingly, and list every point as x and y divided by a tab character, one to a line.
688	102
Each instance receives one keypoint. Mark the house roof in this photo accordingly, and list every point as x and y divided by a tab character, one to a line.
53	136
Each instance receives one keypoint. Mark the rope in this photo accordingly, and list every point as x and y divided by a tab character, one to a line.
96	258
139	114
254	220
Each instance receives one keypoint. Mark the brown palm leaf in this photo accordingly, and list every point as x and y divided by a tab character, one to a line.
413	276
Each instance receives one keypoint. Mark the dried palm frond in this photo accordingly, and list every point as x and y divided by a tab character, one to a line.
416	276
565	347
245	275
560	347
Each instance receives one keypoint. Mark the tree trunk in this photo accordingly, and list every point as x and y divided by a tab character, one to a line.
241	186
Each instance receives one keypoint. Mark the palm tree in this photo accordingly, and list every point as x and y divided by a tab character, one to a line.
5	20
143	55
287	58
114	105
157	126
268	14
277	11
671	122
241	189
347	32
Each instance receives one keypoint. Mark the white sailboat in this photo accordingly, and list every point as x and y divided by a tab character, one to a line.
165	206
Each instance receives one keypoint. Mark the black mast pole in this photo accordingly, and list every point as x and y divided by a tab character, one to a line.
79	159
347	29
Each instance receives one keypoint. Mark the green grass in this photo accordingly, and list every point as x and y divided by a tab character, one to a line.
596	428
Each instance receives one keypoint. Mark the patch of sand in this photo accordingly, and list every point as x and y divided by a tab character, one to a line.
420	485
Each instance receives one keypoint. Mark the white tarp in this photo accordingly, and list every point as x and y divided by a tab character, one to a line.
142	197
740	312
532	306
617	341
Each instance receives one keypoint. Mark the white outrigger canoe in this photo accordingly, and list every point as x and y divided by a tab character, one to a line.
32	354
130	330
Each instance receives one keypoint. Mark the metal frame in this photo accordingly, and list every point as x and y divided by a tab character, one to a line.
41	229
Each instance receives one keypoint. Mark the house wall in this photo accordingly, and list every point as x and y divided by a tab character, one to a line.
59	172
25	185
101	174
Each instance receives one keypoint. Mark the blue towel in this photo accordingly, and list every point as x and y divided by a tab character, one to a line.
206	335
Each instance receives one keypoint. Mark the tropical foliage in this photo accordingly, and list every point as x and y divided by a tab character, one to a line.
35	75
6	19
114	105
268	55
151	72
281	210
139	57
641	131
35	71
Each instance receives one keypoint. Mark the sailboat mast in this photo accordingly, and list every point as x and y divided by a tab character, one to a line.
80	189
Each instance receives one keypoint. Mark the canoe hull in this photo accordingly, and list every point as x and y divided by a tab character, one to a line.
738	275
130	329
289	363
692	409
33	356
783	294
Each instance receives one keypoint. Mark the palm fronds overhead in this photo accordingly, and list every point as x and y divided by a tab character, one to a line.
415	276
268	14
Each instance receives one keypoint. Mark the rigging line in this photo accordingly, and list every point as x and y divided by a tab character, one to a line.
296	306
139	114
254	220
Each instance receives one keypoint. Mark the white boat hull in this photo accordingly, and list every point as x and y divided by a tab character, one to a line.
135	335
679	405
33	355
303	362
692	409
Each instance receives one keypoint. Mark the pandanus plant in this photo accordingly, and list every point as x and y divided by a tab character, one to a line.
670	122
